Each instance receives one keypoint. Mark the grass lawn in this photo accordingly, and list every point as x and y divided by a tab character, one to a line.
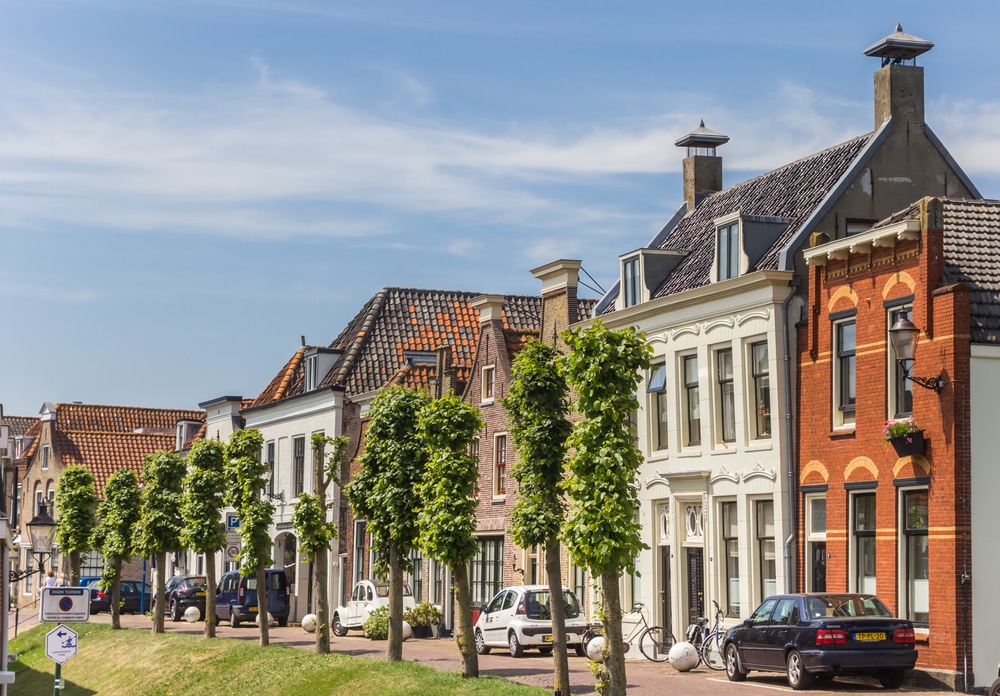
133	661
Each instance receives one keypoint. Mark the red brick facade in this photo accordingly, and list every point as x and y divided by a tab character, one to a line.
843	461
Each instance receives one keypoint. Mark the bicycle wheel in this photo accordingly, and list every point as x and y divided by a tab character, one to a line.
655	643
711	652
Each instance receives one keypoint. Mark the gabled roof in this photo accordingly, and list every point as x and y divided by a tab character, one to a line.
972	256
397	321
107	439
19	425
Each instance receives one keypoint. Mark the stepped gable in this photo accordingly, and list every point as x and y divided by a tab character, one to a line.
793	191
972	256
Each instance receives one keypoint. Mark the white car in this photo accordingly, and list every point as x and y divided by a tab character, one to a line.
518	617
366	597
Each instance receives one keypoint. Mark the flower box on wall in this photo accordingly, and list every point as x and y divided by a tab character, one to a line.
911	443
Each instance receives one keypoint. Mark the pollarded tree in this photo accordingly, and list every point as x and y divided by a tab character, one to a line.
158	531
537	403
384	493
315	533
448	505
246	477
201	507
600	529
117	517
76	515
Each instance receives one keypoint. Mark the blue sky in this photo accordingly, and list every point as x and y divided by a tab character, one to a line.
186	188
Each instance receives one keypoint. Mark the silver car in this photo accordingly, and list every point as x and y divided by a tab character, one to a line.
519	617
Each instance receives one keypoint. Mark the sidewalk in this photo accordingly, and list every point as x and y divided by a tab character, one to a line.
644	678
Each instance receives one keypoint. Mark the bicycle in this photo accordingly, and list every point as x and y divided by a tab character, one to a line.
708	643
654	641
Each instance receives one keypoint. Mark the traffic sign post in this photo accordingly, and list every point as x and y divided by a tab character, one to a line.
65	605
60	645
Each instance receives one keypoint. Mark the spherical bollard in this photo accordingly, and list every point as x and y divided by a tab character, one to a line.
683	657
270	620
594	649
192	614
407	631
309	623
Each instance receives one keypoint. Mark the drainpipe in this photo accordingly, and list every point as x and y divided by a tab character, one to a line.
787	430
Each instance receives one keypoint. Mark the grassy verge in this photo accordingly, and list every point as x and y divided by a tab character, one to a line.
136	662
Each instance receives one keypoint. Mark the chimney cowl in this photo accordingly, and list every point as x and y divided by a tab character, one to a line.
899	46
702	137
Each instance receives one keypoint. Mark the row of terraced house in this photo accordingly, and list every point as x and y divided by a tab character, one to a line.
768	306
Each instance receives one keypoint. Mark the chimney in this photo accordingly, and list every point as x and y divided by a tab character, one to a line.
899	87
702	169
490	308
559	305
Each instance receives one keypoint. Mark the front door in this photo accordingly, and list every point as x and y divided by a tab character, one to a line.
695	583
818	567
666	618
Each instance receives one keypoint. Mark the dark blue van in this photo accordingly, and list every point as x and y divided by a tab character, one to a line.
236	599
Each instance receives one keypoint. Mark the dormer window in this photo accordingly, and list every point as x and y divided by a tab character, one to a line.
312	372
317	365
728	250
630	281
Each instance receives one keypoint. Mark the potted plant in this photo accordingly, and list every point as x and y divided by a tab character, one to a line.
904	435
422	618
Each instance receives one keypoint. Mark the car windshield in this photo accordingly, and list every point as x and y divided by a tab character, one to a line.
383	590
196	582
847	605
536	605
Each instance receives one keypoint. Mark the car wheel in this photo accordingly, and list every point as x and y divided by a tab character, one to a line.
994	689
798	677
282	622
545	651
481	646
733	669
516	650
234	621
581	650
891	678
338	628
175	610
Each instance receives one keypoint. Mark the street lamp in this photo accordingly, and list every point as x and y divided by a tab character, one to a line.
903	335
42	532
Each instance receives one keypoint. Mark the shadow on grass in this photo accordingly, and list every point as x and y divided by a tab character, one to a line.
32	681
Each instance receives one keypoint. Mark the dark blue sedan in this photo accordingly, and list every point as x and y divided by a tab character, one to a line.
821	636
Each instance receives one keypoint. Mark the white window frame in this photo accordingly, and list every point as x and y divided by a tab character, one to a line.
45	457
843	415
631	281
690	406
501	460
759	391
813	536
728	250
911	599
722	397
729	541
856	535
489	383
766	586
298	488
659	411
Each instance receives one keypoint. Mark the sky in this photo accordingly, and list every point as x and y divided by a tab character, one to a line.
187	188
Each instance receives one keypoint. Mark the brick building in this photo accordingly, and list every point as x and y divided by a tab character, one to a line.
900	523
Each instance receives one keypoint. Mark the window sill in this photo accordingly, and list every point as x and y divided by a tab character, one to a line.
499	498
689	453
844	432
760	447
487	402
722	452
658	455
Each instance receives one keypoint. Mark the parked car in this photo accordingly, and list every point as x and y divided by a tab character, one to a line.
367	596
822	636
236	598
519	617
183	591
136	597
994	689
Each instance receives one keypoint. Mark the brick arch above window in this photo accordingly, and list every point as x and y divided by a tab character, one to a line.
917	460
899	278
814	467
861	463
841	293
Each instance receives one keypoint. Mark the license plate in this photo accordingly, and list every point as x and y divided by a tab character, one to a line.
200	594
546	639
869	636
251	608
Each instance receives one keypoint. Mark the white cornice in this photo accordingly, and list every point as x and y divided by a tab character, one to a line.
840	249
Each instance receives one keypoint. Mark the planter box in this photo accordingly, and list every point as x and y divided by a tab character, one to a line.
908	444
421	631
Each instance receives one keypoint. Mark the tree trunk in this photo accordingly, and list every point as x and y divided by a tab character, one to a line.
210	588
614	660
116	592
395	649
161	564
557	608
321	562
74	569
322	605
463	636
265	634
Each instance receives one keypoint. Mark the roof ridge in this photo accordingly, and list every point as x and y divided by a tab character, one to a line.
362	335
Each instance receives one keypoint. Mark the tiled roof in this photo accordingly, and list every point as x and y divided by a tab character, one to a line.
793	191
400	320
19	425
516	339
972	256
109	438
